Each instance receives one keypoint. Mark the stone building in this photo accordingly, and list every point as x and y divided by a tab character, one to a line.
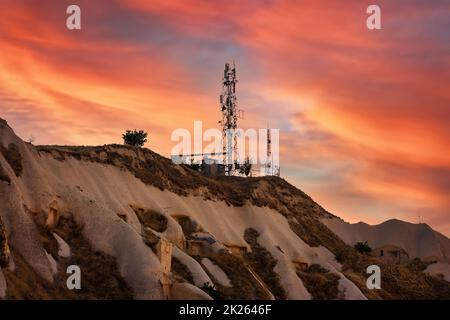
391	254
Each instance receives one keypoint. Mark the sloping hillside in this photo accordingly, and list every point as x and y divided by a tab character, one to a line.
106	208
419	240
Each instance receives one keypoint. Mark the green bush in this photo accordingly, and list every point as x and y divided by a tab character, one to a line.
135	138
363	247
213	293
340	257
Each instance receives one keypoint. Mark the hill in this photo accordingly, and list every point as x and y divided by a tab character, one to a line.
106	208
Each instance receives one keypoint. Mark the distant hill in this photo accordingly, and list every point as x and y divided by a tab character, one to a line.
419	240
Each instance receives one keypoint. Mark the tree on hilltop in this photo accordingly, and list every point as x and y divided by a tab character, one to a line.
135	138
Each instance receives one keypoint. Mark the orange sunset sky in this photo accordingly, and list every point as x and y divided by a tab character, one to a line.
364	116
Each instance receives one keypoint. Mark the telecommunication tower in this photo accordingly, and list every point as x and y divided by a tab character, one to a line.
230	115
269	166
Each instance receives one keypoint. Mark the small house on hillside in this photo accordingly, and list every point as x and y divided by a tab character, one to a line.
202	243
391	254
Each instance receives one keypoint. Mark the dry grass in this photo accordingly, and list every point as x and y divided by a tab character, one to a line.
3	246
13	157
151	219
100	278
320	283
407	282
244	286
263	263
181	272
25	284
397	281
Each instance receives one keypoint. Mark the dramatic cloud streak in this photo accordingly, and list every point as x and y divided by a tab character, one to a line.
364	115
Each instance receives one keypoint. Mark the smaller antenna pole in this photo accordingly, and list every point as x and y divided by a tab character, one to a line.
269	164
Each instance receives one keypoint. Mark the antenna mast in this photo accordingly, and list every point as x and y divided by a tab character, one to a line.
269	161
230	114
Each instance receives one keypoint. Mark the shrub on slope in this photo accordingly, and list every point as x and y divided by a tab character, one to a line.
263	263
